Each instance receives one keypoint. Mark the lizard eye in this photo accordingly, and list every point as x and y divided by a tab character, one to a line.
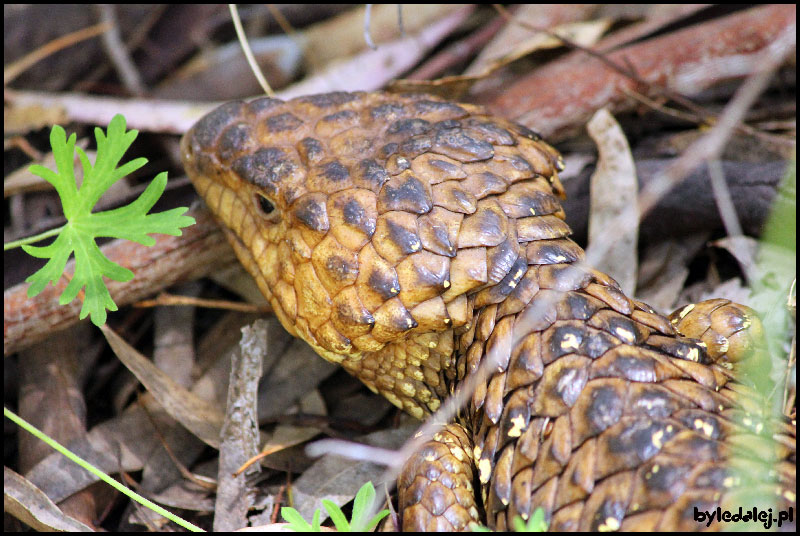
265	206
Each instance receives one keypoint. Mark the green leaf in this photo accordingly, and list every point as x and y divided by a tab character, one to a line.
536	522
315	521
131	222
336	515
376	519
362	506
296	521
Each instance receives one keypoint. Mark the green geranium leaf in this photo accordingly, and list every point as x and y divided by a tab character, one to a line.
131	222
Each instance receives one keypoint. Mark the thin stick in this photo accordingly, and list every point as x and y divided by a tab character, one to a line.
282	21
165	298
722	196
248	52
118	52
27	61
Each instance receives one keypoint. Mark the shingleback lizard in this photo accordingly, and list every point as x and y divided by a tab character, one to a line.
405	237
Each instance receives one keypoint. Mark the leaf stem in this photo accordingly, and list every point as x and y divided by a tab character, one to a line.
32	239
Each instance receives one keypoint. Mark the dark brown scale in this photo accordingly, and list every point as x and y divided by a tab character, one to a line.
336	122
353	216
208	129
370	175
396	236
405	193
437	110
422	277
438	231
415	146
281	123
311	211
438	168
330	100
486	227
452	196
310	150
406	128
457	144
410	238
265	168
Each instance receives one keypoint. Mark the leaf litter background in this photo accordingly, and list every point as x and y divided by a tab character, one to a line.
147	402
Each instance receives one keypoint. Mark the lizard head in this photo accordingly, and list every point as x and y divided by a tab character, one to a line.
361	215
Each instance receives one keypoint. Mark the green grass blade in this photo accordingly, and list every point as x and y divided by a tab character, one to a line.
97	472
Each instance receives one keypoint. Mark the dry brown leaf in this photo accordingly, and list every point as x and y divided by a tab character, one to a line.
173	340
447	87
199	416
185	495
584	33
288	435
664	270
298	371
27	503
213	362
281	447
25	118
236	279
208	75
614	217
339	479
539	15
160	471
455	87
364	408
123	443
732	289
744	248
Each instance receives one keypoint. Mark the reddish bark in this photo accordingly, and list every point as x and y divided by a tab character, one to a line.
560	97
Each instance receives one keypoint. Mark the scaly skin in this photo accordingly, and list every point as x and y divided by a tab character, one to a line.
406	238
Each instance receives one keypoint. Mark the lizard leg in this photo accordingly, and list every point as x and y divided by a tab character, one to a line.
436	491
